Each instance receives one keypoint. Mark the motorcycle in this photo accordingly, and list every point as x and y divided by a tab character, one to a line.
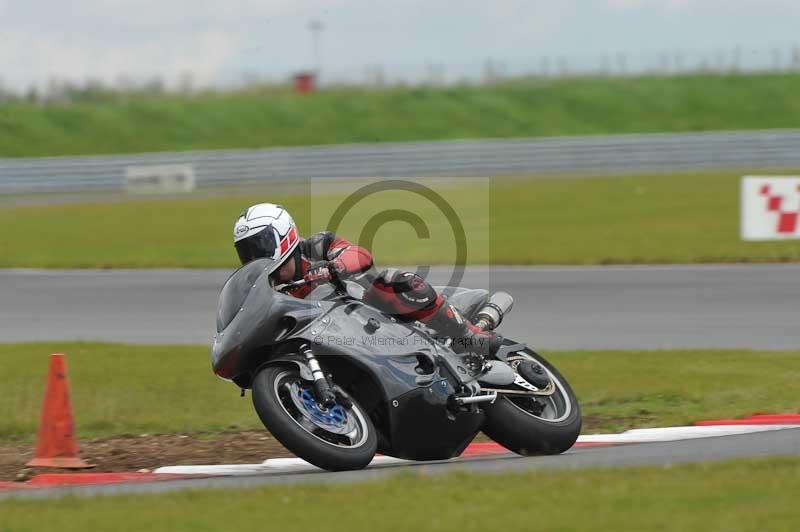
336	380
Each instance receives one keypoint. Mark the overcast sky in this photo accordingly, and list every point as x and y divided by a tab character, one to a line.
218	40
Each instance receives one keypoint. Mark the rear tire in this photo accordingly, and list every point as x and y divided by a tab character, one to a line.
281	399
512	424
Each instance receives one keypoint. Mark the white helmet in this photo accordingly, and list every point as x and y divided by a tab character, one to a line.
265	231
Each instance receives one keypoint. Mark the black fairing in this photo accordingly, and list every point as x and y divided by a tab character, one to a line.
253	318
414	376
424	428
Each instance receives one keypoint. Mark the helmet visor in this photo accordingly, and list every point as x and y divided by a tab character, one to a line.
261	245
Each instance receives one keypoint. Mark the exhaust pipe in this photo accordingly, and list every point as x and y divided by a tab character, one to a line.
491	314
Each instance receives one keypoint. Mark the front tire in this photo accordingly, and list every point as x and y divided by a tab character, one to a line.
336	439
550	425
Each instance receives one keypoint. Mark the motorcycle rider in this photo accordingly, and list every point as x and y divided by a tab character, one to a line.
266	230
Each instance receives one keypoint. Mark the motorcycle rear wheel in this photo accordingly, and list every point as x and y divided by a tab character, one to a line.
338	438
539	425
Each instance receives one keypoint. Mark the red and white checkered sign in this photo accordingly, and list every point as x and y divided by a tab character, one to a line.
770	207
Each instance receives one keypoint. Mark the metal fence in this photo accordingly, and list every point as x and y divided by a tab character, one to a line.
487	157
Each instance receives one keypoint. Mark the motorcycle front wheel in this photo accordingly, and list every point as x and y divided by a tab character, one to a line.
539	424
337	438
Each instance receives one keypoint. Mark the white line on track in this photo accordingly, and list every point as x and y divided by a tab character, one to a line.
663	434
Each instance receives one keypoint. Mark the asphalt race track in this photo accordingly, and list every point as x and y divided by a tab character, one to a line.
704	306
778	443
627	307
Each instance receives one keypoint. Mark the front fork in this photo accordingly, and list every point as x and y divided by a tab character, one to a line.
323	391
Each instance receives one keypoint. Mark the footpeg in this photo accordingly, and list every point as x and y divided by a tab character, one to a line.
472	399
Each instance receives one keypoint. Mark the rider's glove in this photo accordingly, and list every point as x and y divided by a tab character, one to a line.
318	273
337	269
324	271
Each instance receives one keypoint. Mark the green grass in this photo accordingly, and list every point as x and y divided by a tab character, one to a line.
605	220
269	117
125	389
735	496
630	389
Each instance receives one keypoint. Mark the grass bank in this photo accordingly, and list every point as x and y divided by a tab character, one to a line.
731	496
124	389
269	117
681	218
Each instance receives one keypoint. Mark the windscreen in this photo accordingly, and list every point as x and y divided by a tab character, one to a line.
236	289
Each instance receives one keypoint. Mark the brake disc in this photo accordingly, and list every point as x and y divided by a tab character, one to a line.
335	419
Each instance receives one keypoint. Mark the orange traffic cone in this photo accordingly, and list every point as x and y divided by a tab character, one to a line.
56	445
